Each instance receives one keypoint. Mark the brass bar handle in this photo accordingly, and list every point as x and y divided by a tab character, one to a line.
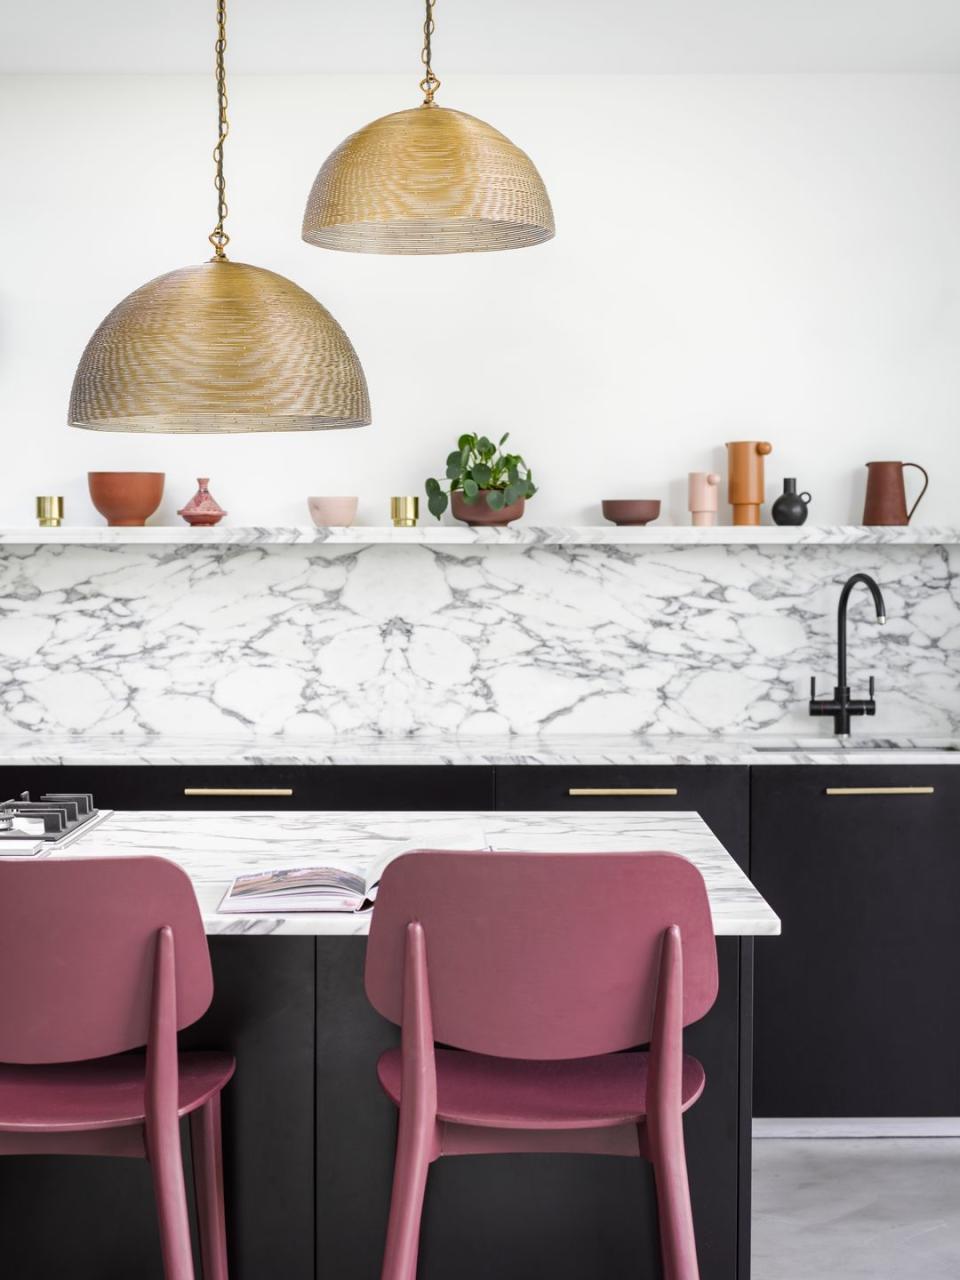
238	791
623	791
879	791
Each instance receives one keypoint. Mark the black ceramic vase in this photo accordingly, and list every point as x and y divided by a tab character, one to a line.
790	507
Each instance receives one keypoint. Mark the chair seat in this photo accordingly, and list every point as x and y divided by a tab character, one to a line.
106	1093
507	1093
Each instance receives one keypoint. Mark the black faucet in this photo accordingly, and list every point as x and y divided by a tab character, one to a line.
841	706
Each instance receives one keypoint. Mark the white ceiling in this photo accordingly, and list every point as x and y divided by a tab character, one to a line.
592	36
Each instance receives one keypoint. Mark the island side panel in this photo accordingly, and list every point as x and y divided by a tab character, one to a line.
92	1218
520	1215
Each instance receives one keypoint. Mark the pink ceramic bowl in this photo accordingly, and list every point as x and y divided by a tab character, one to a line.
325	512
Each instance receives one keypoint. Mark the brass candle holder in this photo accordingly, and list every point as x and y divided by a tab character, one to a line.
404	512
50	512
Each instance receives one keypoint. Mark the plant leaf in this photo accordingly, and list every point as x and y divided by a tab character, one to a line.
495	500
432	486
470	489
453	470
437	502
481	473
466	441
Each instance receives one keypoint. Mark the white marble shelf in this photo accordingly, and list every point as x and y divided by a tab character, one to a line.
213	848
441	535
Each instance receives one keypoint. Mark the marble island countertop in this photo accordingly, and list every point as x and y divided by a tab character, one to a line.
213	848
596	749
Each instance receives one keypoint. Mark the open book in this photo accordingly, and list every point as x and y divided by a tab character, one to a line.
334	886
301	889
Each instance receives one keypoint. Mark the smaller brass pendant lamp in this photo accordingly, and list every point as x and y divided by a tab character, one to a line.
427	180
219	347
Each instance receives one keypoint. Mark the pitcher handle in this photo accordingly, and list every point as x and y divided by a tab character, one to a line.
926	481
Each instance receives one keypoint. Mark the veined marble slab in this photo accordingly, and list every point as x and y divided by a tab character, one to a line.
329	641
213	848
587	749
511	535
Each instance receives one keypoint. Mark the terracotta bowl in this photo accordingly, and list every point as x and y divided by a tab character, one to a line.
332	511
630	510
479	513
126	498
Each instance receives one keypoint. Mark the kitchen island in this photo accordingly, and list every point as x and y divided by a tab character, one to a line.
308	1137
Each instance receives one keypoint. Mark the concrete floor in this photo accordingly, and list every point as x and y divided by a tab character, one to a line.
856	1209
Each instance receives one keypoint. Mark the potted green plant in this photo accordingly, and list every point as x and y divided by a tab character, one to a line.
484	484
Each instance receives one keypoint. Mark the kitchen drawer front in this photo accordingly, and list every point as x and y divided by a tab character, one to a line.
270	787
719	793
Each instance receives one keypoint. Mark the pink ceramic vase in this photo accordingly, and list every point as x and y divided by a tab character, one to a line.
203	508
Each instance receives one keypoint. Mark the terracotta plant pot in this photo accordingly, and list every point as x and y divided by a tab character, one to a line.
479	512
126	498
630	510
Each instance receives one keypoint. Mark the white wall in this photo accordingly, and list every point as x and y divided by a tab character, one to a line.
737	257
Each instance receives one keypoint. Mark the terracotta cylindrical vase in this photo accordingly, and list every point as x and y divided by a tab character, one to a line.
745	483
126	499
480	512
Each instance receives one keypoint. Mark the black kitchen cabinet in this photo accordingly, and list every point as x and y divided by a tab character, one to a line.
261	787
719	793
856	1002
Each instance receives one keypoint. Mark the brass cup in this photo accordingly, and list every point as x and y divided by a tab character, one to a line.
404	512
49	512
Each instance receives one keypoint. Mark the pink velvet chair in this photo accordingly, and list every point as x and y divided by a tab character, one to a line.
538	969
99	957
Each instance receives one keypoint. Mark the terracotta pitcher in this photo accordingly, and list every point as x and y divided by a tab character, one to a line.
886	501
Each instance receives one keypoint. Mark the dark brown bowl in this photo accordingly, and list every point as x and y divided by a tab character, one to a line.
630	510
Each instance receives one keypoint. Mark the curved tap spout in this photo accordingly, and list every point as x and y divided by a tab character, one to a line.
880	606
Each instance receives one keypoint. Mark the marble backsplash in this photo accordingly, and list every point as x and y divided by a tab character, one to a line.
322	640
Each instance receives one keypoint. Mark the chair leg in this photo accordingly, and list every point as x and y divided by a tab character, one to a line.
207	1147
170	1193
414	1152
678	1243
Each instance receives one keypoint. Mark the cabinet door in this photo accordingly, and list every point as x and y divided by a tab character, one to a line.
856	1003
270	787
719	793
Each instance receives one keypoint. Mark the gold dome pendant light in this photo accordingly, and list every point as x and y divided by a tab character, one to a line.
219	347
428	180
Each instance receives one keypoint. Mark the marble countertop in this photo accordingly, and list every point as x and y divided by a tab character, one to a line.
215	847
83	749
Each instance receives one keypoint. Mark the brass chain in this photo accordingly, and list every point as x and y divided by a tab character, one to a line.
218	237
429	84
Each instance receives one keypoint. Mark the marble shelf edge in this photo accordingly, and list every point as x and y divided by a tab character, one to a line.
453	535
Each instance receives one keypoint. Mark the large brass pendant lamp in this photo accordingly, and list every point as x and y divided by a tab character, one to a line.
427	180
219	347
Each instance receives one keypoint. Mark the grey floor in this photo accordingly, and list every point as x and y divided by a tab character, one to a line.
856	1209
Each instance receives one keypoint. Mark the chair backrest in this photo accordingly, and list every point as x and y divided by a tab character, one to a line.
78	937
542	955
